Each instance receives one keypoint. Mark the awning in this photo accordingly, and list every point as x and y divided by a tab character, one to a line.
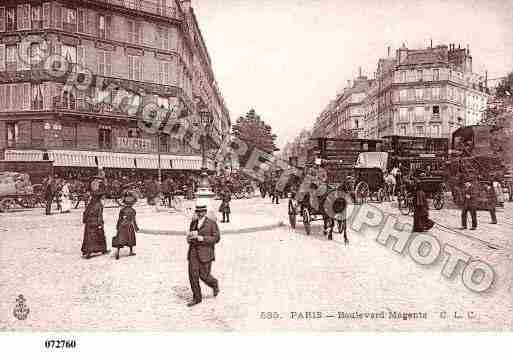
72	158
372	160
23	155
62	158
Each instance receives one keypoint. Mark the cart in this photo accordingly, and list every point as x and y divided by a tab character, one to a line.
369	176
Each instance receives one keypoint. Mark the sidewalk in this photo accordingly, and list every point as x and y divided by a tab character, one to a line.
168	221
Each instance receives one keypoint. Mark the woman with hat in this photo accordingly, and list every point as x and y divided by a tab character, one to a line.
224	208
94	235
421	221
126	226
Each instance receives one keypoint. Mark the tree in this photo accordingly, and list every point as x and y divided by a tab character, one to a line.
501	104
255	133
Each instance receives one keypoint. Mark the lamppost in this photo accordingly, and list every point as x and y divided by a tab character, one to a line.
205	122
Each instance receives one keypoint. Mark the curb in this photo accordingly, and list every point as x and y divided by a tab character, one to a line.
228	231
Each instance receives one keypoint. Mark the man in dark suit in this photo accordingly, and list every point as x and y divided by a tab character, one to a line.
49	192
202	238
469	205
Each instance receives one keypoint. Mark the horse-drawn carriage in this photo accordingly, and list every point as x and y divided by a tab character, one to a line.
369	177
16	190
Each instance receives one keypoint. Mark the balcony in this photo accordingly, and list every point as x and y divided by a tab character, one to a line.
72	104
147	7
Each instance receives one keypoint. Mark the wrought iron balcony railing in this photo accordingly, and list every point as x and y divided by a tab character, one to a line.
155	7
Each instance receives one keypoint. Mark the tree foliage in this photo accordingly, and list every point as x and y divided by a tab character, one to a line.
255	133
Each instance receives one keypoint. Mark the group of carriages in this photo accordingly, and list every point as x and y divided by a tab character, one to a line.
379	170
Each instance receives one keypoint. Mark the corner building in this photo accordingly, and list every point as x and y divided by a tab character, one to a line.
150	50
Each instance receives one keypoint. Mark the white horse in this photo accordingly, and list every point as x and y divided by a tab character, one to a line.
390	185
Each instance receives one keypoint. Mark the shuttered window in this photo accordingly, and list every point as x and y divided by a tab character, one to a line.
104	63
57	16
2	19
3	105
23	14
10	19
37	133
81	20
135	68
164	72
2	57
134	32
46	15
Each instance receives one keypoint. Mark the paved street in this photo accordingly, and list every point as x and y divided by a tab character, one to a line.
281	270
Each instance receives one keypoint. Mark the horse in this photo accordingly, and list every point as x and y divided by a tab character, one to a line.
390	185
338	205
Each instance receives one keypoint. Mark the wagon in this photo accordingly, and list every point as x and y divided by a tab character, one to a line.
433	186
369	176
16	191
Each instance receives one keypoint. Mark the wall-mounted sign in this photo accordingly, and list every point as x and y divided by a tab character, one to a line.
137	144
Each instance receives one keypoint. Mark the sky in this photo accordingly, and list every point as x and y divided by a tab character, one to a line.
288	58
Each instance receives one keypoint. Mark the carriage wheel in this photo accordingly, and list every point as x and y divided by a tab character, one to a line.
381	195
26	202
7	204
292	220
362	192
307	220
438	201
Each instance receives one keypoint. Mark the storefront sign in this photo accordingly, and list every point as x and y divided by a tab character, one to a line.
137	144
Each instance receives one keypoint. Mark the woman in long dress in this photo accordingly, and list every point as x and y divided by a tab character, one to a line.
126	226
421	221
94	235
65	198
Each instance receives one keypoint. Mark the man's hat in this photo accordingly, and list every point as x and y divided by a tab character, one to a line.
201	205
130	198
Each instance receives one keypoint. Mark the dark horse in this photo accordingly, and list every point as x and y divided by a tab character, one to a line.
331	204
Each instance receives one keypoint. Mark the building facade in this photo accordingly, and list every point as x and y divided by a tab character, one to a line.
424	92
118	56
343	117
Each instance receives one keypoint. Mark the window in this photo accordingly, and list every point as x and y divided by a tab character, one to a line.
410	114
164	71
70	54
402	130
104	63
418	94
68	100
450	93
411	94
134	68
69	134
37	97
11	56
419	130
164	42
37	17
81	20
36	55
10	17
436	74
69	19
105	137
419	113
2	19
435	130
164	142
37	133
104	24
134	32
134	4
402	95
23	17
436	93
12	134
403	113
419	75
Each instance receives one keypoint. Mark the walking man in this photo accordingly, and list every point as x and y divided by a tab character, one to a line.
202	237
48	193
468	206
491	203
224	208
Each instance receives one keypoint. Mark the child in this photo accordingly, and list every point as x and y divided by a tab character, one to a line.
126	226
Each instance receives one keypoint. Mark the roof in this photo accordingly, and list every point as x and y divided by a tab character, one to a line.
427	56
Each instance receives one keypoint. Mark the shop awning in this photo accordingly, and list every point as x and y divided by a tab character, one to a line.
23	155
116	160
72	158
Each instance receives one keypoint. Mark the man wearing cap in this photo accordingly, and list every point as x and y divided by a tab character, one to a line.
202	237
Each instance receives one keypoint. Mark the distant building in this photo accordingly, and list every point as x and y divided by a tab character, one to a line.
426	92
343	117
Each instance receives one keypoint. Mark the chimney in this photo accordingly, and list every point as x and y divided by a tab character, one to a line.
388	51
360	71
486	78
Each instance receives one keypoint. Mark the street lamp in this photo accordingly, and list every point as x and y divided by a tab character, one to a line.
205	122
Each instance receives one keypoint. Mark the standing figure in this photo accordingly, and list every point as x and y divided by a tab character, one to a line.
491	203
498	193
65	197
275	194
126	226
94	236
48	194
202	237
421	221
224	208
469	205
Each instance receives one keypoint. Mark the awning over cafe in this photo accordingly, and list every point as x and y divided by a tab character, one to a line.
23	155
63	158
